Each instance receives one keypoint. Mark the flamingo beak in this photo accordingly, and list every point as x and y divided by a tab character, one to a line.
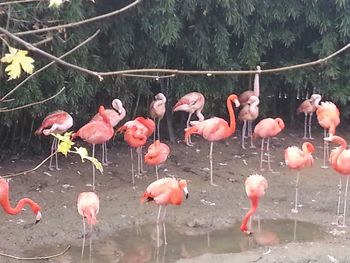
186	192
237	103
38	218
328	139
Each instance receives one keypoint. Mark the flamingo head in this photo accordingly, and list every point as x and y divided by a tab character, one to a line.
280	123
183	185
234	98
160	96
309	147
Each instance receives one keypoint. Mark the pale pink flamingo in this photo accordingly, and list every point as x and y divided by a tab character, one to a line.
136	133
255	187
57	122
163	192
6	206
215	129
267	128
115	115
157	111
297	159
96	132
88	207
192	102
340	162
308	107
249	112
328	117
157	154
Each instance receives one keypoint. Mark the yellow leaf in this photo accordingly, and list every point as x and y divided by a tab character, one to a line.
65	142
82	152
17	60
97	164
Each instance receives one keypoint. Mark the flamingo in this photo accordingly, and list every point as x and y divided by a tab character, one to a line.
136	133
88	207
308	107
115	115
249	113
340	162
6	206
192	102
157	154
96	132
297	159
215	129
157	111
57	122
255	187
328	117
267	128
163	192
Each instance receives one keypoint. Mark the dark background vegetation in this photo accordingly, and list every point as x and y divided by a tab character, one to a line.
191	34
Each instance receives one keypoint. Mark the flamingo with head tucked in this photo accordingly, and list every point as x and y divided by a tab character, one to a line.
114	115
192	102
57	122
249	113
297	159
157	111
308	107
215	129
157	154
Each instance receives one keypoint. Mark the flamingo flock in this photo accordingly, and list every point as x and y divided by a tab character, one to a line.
169	191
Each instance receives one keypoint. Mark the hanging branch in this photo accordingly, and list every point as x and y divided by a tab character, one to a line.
48	65
75	24
33	103
37	258
18	2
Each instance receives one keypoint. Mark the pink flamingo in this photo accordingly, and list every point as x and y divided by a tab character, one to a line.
340	161
88	207
255	187
328	117
267	128
308	107
297	159
192	102
57	122
215	129
163	192
157	111
157	154
249	113
96	132
136	133
115	115
6	206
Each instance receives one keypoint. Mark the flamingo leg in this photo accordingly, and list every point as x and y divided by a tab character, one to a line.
268	154
56	155
259	224
104	155
158	130
249	132
295	210
82	248
154	134
141	160
164	231
211	164
262	154
158	220
90	241
339	196
305	124
250	125
345	196
132	167
93	169
243	132
310	119
189	142
53	149
325	146
157	171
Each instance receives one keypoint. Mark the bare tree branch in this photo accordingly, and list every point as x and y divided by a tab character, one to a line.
18	2
48	65
75	24
33	103
45	40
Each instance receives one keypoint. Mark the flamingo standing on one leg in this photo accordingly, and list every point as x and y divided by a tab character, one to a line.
157	154
163	192
136	134
192	102
267	128
57	122
115	115
88	207
249	113
298	159
328	117
308	107
6	206
255	186
215	129
96	132
340	161
157	111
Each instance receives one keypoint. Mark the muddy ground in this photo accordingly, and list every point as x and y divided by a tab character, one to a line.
208	207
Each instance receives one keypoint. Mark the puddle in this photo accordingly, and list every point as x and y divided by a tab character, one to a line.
139	244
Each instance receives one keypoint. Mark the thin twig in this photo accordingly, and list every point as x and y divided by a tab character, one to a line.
48	39
34	103
30	170
18	2
75	24
37	258
150	76
48	65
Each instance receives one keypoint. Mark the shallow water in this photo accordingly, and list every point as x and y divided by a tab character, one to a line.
139	244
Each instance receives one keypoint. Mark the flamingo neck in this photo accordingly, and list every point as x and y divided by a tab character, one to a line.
232	127
200	115
254	200
256	85
14	211
91	216
342	146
